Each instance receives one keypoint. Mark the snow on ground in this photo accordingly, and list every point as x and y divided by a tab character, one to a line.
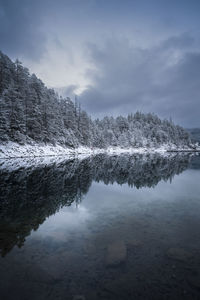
14	150
14	156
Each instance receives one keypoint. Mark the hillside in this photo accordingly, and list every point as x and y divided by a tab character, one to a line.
32	114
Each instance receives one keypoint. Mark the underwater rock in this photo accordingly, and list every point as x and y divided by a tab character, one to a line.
178	254
134	243
89	248
194	281
116	253
79	297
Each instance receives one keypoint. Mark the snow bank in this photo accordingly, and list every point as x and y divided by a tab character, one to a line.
14	150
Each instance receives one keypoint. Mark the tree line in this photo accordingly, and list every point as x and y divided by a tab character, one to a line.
32	113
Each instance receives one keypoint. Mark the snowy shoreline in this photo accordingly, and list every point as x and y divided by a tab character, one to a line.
14	150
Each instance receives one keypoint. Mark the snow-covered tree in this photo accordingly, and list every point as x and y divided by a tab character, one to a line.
30	112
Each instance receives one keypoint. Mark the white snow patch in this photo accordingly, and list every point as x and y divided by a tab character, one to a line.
14	150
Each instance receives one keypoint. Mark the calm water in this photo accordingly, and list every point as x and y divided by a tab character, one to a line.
120	227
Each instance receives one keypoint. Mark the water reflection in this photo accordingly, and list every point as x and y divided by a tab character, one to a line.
31	194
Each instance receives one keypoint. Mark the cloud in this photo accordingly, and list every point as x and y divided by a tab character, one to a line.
137	60
164	79
68	91
20	28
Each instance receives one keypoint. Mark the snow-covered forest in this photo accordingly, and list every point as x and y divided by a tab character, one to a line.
32	113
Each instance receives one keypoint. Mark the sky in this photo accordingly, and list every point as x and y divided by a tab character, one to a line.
117	56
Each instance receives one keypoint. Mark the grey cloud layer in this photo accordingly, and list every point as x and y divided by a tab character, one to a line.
164	79
20	33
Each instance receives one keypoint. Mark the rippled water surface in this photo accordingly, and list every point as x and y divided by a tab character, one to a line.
104	227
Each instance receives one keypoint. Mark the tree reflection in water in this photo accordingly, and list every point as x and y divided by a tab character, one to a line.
29	195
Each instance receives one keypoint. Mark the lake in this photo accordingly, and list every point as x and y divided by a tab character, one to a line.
102	227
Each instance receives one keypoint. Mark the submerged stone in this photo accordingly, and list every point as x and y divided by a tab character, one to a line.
79	297
134	243
89	248
194	281
178	254
116	253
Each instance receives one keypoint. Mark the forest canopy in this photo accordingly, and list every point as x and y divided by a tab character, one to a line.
32	113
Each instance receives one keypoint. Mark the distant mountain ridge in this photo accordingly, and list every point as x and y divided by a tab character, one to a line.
32	113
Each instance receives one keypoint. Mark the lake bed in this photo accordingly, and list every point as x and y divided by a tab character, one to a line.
105	227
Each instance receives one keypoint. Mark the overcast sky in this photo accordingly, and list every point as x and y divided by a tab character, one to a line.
118	56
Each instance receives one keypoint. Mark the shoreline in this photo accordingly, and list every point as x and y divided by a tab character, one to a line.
190	151
14	150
